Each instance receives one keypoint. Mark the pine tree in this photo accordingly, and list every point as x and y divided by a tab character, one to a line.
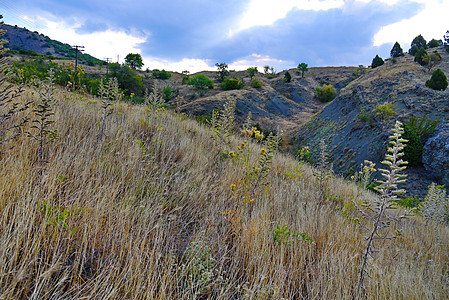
396	51
438	81
377	61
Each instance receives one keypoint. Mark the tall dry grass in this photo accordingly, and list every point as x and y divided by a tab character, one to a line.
137	216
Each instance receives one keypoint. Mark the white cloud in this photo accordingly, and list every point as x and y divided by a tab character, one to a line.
266	12
186	64
431	22
102	44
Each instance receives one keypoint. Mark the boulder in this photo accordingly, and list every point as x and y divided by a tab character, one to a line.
436	155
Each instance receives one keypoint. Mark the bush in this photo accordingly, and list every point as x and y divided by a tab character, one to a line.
201	83
438	81
421	57
418	43
415	129
231	84
287	77
434	43
384	111
167	93
164	75
255	83
326	93
377	61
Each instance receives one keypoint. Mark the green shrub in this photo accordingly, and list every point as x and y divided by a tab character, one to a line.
377	61
418	43
167	93
434	43
396	51
421	57
367	117
326	93
252	72
287	77
414	131
231	84
201	83
384	111
438	81
164	75
255	83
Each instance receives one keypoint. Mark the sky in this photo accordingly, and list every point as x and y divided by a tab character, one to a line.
193	35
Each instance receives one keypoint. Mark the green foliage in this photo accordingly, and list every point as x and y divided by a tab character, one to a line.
436	205
134	60
326	93
438	81
269	71
409	202
434	43
384	111
446	41
232	84
377	61
414	131
418	43
201	83
367	117
167	93
421	57
396	51
128	79
255	83
252	72
164	75
287	77
283	236
303	67
222	71
57	216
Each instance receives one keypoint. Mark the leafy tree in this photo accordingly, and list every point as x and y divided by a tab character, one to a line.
270	71
128	79
287	77
326	93
415	129
432	59
185	77
434	43
252	72
377	61
438	81
421	57
134	60
167	93
201	83
255	83
417	43
303	67
396	51
223	72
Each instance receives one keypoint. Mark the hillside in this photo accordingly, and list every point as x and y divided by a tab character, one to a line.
353	131
153	210
23	41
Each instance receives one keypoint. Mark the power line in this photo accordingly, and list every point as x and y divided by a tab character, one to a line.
77	49
108	60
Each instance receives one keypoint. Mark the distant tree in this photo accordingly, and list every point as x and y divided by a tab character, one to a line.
377	61
231	84
223	72
252	72
185	77
270	71
164	75
434	43
303	67
201	83
128	79
438	81
446	41
287	77
396	51
421	57
432	59
134	60
266	69
417	43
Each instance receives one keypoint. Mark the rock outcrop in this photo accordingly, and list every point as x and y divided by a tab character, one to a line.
436	155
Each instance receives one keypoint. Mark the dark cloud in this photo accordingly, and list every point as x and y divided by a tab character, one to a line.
198	28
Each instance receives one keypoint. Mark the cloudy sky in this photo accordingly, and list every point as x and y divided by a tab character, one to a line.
195	34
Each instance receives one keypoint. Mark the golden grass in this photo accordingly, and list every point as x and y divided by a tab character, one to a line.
143	220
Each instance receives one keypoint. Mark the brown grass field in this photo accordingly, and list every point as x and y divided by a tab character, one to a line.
141	214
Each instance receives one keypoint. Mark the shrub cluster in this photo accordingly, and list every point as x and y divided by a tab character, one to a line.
164	75
438	81
326	93
231	84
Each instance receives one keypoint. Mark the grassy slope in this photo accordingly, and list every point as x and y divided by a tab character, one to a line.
146	220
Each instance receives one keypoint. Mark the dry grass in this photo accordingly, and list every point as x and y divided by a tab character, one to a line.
142	221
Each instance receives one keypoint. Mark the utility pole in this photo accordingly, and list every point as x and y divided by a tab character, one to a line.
108	60
77	49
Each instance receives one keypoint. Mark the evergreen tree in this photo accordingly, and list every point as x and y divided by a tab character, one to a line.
303	67
417	43
377	61
287	77
421	57
396	51
438	81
